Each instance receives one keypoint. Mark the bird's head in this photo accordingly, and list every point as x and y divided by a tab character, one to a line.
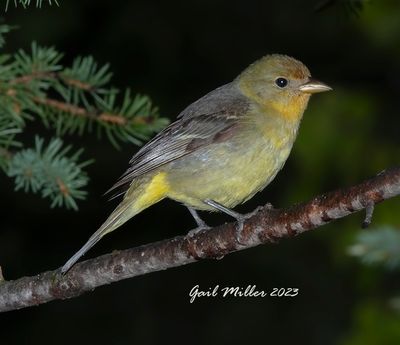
280	82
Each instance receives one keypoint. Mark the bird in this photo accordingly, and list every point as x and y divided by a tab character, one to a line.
221	150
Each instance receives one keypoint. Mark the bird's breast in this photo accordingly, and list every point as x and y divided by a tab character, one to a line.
230	172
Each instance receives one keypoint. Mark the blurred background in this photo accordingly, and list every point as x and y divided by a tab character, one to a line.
176	52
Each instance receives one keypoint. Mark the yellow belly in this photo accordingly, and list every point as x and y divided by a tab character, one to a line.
229	173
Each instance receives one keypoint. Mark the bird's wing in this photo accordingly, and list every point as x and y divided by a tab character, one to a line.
211	119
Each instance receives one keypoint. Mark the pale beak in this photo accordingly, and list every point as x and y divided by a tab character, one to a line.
314	86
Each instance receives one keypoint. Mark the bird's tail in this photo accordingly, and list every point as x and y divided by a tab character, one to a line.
139	197
120	215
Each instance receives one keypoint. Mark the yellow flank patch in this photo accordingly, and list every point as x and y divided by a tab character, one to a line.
153	192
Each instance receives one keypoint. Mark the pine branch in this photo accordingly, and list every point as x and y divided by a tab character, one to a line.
379	246
8	130
4	29
26	3
103	117
265	226
79	98
49	170
68	100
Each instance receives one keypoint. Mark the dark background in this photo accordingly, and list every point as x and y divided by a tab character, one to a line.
176	52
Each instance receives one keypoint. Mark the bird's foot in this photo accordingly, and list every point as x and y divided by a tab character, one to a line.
239	229
200	228
201	224
241	219
268	206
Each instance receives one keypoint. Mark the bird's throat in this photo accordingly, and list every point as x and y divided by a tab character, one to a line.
291	111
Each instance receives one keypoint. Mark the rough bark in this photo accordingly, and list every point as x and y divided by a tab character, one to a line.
264	226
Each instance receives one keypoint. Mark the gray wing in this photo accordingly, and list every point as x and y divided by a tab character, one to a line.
212	118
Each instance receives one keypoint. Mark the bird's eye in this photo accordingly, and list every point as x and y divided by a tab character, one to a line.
281	82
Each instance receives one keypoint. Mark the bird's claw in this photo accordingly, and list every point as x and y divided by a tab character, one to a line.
195	231
240	225
239	230
242	218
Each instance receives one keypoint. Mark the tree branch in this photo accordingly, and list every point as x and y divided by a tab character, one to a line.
72	109
265	226
101	117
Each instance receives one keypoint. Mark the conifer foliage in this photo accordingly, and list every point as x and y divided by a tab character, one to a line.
76	99
26	3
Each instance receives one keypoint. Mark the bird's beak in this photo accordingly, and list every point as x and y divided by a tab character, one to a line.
314	86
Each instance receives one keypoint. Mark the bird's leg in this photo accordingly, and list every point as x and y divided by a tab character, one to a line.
240	218
201	224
